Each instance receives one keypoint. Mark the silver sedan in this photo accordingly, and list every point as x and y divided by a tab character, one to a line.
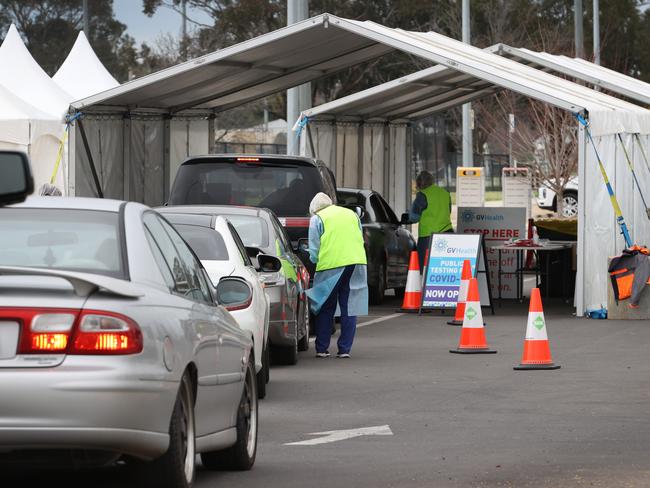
113	346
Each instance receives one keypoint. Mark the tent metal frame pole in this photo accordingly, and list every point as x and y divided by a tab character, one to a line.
579	296
91	162
311	142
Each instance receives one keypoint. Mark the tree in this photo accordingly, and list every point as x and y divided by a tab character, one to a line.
50	28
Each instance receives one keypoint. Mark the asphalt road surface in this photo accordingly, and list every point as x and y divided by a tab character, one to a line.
456	421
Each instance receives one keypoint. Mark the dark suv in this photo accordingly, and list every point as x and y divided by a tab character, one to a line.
284	184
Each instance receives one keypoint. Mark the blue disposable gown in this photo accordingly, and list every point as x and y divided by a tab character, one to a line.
324	281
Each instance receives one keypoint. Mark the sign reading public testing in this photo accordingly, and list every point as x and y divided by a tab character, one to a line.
497	224
442	273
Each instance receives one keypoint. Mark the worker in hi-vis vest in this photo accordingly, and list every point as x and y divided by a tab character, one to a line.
432	209
340	285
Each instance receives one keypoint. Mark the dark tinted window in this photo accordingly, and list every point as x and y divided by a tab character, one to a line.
66	239
206	243
378	209
252	230
355	198
287	189
389	211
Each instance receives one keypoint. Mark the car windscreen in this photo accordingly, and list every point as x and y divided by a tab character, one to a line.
252	230
206	243
64	239
345	199
287	189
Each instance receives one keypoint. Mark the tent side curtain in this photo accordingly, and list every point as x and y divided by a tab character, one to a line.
373	155
602	238
129	154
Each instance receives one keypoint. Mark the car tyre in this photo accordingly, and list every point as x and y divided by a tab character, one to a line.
240	456
263	374
378	287
570	204
176	468
288	354
303	344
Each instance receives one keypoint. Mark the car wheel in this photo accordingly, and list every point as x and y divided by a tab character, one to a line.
241	456
570	205
378	288
303	344
288	354
176	468
262	375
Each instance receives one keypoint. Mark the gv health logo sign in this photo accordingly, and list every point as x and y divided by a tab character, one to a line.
444	267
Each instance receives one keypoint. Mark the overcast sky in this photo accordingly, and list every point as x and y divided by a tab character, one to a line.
148	29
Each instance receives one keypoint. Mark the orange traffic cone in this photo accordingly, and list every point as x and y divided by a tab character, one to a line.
472	335
537	353
413	290
462	294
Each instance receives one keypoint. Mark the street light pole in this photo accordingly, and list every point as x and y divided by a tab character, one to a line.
596	32
579	36
298	98
468	155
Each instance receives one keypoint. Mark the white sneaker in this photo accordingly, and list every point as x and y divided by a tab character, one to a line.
343	355
323	354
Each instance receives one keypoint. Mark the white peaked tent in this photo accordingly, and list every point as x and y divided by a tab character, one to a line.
35	120
22	75
82	73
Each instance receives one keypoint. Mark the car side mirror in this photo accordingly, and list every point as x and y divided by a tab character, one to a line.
303	245
405	220
234	293
16	181
268	264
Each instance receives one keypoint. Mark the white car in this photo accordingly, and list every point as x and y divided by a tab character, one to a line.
217	244
547	199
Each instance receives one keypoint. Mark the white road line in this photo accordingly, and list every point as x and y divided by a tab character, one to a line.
380	319
373	321
341	435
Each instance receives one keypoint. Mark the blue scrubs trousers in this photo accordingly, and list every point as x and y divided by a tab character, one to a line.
325	318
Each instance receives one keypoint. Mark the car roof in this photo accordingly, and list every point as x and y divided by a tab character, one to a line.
360	191
271	158
201	220
215	210
74	203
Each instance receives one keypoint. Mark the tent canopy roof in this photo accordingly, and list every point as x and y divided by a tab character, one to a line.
580	69
82	73
21	75
324	44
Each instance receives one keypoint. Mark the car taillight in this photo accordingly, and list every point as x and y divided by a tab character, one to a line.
104	333
45	331
295	221
63	331
305	275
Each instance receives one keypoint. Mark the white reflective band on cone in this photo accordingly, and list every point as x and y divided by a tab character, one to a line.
413	281
473	316
536	327
462	291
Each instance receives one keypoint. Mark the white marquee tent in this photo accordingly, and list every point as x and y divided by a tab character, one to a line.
591	73
82	74
129	128
39	107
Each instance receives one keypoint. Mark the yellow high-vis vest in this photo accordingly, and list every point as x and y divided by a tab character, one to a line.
342	241
435	218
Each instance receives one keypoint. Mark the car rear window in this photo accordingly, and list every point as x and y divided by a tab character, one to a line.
252	230
284	187
65	239
206	243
